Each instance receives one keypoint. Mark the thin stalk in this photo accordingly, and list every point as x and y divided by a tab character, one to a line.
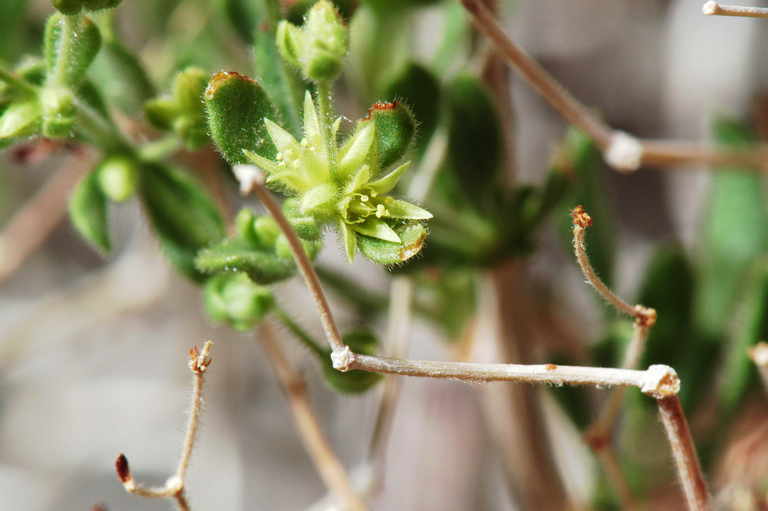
661	153
684	452
174	486
98	130
716	9
68	38
315	442
30	226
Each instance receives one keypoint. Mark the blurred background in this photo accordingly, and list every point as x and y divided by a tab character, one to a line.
93	350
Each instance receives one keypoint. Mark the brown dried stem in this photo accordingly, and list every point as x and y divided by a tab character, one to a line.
315	442
30	226
174	486
622	151
716	9
684	452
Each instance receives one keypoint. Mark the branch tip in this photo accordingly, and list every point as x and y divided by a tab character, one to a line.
342	358
580	217
624	152
248	176
710	8
200	360
645	317
123	469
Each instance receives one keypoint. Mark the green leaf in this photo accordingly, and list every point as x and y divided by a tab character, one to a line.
750	326
417	87
88	212
475	146
183	216
376	228
71	44
122	78
20	119
237	107
387	183
735	232
412	238
262	267
405	210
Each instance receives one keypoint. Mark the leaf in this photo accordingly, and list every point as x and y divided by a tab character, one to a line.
234	299
749	327
121	77
386	252
388	182
237	107
261	266
375	228
405	210
417	87
88	212
182	215
395	127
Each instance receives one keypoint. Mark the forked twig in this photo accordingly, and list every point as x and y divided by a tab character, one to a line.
621	150
717	9
174	486
658	381
315	442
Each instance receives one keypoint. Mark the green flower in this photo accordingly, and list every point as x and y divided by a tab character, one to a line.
348	189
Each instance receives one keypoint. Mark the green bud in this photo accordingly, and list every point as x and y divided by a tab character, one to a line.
183	111
318	48
71	44
20	119
234	299
58	112
68	7
88	212
412	236
244	226
118	178
353	382
267	230
97	5
237	106
395	129
283	248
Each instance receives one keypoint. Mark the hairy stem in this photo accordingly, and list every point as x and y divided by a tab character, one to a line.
684	452
174	486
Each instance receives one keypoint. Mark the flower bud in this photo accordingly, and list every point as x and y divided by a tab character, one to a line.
412	238
318	48
237	106
234	299
118	178
395	129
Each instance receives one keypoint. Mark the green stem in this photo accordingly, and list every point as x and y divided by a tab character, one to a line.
301	334
325	111
98	130
68	37
160	149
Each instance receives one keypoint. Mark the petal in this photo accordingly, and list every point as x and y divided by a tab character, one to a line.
376	228
356	150
283	140
388	182
405	210
317	197
350	240
265	164
359	180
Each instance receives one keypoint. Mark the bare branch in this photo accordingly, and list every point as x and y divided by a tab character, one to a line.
315	442
174	486
30	226
684	452
621	150
716	9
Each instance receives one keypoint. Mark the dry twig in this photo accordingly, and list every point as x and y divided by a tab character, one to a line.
716	9
30	226
174	486
621	150
316	443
